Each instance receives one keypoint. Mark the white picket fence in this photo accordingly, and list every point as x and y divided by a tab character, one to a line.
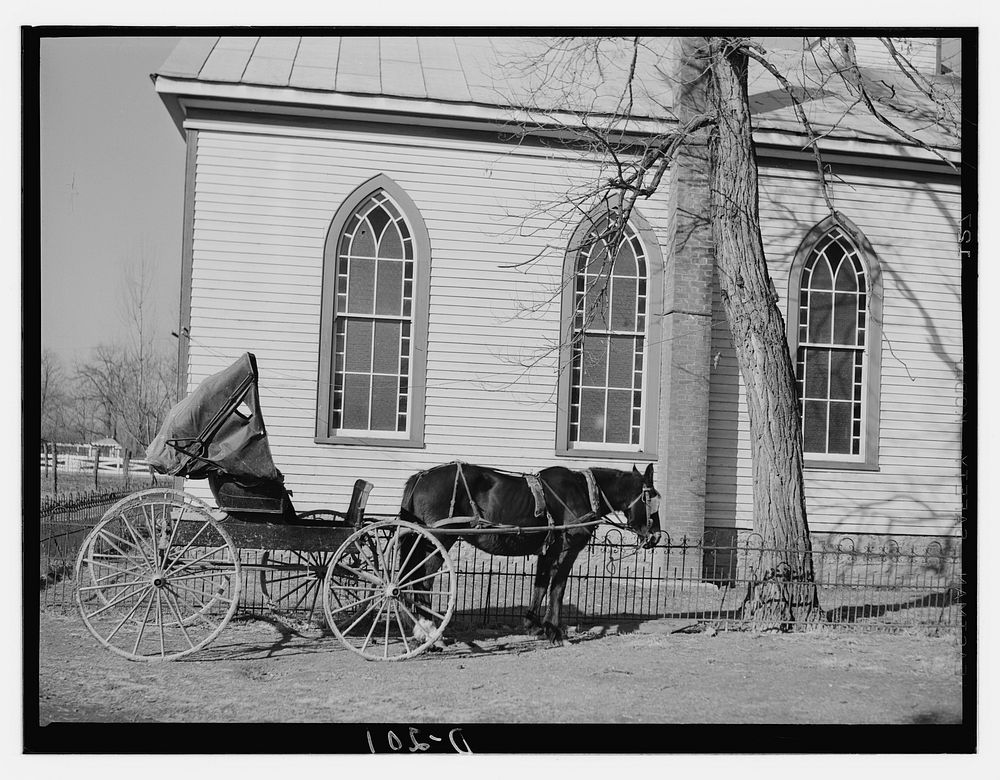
75	461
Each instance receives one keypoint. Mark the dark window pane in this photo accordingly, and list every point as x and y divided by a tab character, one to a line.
378	219
620	361
821	279
356	387
625	263
814	427
361	292
619	416
359	346
385	393
840	428
819	317
623	304
841	374
386	347
817	372
592	415
363	244
389	294
845	315
847	278
391	245
834	252
595	356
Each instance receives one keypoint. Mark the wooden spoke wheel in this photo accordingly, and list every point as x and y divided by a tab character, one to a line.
390	591
294	585
158	577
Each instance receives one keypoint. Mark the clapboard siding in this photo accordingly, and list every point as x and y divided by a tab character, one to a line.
263	204
920	52
913	226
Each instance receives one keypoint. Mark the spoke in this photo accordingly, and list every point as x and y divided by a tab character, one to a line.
422	608
385	644
151	526
360	617
159	615
116	573
414	546
367	588
208	574
372	629
297	587
199	559
353	604
399	622
416	622
379	554
173	534
109	538
124	620
357	574
426	592
312	607
177	614
215	597
431	554
295	576
410	583
201	614
138	542
130	583
117	600
142	625
187	546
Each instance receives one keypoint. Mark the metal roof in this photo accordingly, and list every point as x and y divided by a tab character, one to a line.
566	75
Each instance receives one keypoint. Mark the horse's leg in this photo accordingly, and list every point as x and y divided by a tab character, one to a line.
557	588
424	627
533	617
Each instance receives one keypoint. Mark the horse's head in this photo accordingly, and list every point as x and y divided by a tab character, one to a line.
644	508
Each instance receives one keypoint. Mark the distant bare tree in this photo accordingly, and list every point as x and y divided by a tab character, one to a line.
130	384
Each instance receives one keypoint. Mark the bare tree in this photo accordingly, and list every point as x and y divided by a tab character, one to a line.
712	119
130	384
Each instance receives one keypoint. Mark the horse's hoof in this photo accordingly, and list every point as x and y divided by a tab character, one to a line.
553	634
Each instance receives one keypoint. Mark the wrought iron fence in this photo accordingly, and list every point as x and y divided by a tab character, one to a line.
872	582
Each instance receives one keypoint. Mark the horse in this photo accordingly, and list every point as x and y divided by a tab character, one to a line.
532	509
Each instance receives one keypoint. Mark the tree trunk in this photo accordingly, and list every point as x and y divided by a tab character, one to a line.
781	588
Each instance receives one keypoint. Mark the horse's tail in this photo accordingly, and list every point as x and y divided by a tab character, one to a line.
406	504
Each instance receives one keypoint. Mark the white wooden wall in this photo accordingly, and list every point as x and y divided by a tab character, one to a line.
921	52
914	228
264	199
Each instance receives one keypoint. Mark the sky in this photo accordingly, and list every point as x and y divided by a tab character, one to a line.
112	189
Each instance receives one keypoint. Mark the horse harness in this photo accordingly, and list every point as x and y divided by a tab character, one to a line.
538	486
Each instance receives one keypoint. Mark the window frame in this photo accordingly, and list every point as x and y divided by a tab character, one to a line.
418	319
867	459
649	437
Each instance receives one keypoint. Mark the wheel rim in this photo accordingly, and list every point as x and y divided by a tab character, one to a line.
158	578
295	585
377	598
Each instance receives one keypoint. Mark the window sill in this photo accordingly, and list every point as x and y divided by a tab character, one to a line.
838	465
591	454
370	441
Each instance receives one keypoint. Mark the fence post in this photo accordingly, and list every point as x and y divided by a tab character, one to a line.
97	461
55	468
45	450
127	467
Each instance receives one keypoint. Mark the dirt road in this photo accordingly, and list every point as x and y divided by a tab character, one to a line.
271	672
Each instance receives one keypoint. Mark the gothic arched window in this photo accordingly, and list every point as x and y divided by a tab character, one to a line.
370	386
836	346
612	370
